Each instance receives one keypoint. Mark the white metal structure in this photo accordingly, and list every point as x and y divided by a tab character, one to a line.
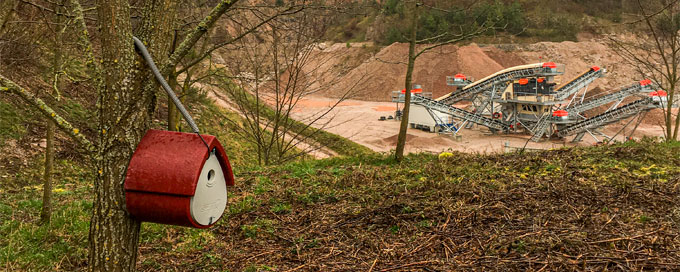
422	117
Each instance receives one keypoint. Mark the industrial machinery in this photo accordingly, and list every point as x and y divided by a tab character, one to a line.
527	99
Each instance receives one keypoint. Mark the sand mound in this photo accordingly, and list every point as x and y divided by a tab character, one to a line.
327	64
475	63
384	73
393	139
503	57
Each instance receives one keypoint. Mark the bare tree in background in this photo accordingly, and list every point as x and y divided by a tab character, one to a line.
183	76
59	29
273	71
20	31
196	66
454	36
655	53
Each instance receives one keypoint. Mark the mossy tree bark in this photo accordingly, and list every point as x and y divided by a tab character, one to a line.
127	105
113	234
173	113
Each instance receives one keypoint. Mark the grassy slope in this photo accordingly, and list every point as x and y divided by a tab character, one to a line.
567	209
10	122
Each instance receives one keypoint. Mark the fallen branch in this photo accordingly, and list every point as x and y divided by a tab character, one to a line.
373	265
407	265
294	269
624	238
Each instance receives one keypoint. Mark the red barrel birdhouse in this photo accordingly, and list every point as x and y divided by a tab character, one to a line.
178	179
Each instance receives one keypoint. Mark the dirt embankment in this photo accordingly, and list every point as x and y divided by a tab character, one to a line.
327	65
376	78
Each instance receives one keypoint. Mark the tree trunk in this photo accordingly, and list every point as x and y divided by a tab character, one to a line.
114	236
173	120
401	140
672	70
671	99
127	104
677	126
46	212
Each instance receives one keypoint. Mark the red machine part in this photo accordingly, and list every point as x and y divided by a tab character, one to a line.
550	64
658	93
595	68
162	176
460	76
419	90
645	82
523	81
560	113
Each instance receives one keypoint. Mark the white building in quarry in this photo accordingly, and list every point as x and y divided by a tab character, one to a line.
421	117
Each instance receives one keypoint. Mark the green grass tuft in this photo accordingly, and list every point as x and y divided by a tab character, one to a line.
11	122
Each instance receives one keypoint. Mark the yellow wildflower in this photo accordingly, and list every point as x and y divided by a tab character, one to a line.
445	155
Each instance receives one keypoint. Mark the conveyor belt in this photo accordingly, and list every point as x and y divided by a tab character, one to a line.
609	117
605	99
512	73
541	126
578	83
432	104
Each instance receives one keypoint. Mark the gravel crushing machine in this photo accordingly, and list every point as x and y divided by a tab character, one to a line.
530	99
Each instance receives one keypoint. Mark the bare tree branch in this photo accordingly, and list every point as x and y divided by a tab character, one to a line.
9	86
196	34
207	53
